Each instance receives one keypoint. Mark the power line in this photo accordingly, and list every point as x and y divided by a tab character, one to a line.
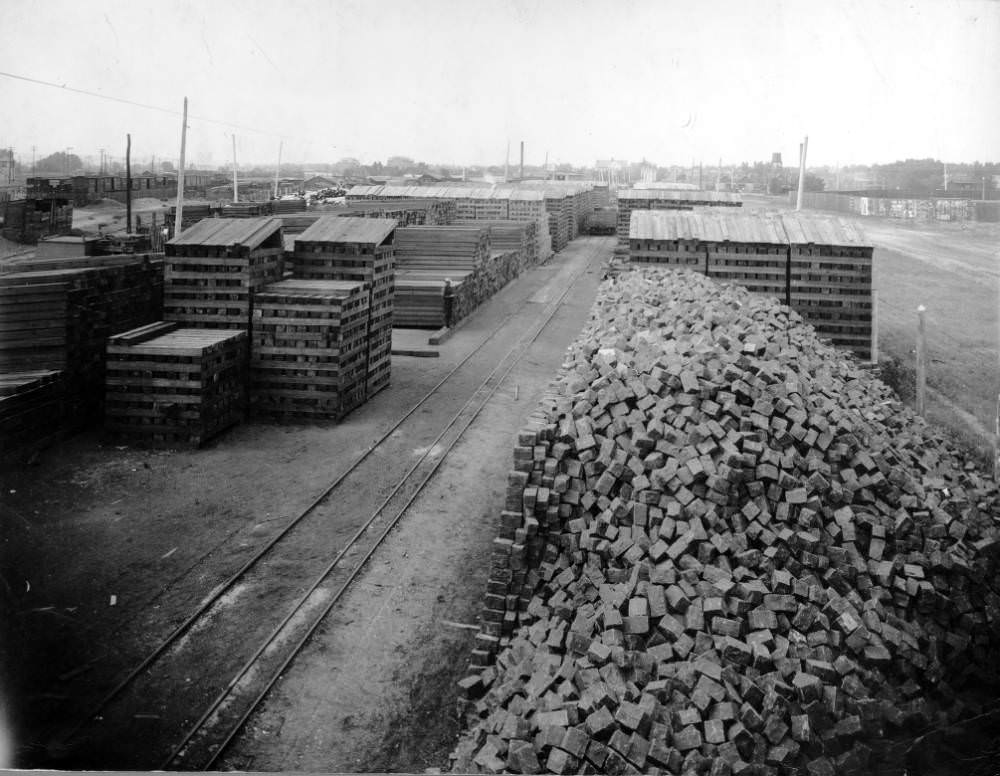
124	101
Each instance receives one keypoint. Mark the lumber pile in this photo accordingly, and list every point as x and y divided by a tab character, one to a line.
507	235
450	248
246	209
359	250
464	253
726	549
214	268
59	316
171	385
32	411
419	302
309	348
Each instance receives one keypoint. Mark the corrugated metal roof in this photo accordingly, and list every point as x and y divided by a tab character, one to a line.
225	232
706	226
348	229
727	225
679	196
806	228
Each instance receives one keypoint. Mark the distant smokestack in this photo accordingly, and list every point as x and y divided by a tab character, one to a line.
522	160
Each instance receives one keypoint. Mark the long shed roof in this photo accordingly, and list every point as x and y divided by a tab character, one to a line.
225	232
348	229
679	196
727	225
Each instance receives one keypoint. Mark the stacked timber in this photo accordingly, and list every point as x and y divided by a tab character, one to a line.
419	302
458	248
192	214
33	408
58	317
246	209
727	549
505	235
360	250
819	265
282	206
559	214
214	269
171	385
309	354
830	279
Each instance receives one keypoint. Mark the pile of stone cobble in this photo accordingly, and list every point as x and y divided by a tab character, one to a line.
726	549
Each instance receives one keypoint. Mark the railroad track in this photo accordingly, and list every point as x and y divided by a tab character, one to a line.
286	611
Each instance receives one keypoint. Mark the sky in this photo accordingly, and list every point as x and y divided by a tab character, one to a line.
455	81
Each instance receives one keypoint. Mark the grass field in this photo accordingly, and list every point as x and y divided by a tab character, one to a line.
954	271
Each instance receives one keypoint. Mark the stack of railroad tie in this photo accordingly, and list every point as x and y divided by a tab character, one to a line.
310	348
32	409
173	385
214	269
359	250
55	316
727	548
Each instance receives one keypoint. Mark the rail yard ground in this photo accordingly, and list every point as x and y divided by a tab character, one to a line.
113	546
110	547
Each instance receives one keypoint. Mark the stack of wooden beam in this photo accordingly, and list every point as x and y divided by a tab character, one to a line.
360	250
309	353
559	218
444	248
508	235
246	209
59	318
830	279
280	206
33	408
171	385
419	300
214	268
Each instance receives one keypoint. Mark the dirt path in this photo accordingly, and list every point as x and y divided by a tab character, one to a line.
158	530
376	690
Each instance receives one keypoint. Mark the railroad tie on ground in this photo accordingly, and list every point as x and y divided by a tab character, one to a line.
726	548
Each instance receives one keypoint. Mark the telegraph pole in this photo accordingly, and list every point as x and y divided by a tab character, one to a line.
803	150
277	170
128	184
236	183
179	219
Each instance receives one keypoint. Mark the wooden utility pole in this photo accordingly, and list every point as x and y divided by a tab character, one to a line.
236	182
522	160
178	222
506	164
803	150
921	362
128	184
996	445
277	171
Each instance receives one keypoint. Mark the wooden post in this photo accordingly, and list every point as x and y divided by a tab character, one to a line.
277	171
996	445
874	327
236	183
803	150
179	221
128	184
921	362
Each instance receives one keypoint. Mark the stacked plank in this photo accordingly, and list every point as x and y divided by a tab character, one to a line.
192	214
830	279
59	315
32	411
171	385
246	209
726	549
419	302
310	348
443	248
282	206
214	269
359	250
558	208
630	200
509	235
